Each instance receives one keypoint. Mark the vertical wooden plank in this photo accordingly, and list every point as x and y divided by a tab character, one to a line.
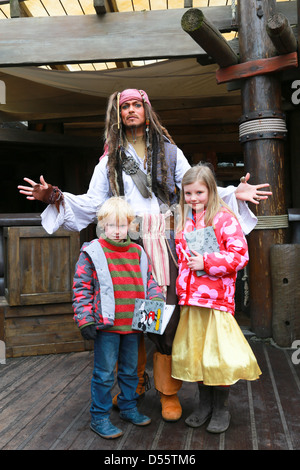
285	266
12	235
3	304
238	436
270	435
298	15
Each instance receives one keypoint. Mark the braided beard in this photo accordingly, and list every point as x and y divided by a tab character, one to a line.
132	133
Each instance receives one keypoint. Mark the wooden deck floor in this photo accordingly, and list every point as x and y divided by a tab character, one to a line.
44	405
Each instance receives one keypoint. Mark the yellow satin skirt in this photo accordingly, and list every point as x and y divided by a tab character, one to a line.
209	346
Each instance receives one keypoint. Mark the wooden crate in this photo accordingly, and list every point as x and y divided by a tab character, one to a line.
36	315
41	329
39	267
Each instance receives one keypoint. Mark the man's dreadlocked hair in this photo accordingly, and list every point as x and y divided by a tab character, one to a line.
116	142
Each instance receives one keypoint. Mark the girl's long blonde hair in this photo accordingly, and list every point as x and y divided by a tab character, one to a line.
203	174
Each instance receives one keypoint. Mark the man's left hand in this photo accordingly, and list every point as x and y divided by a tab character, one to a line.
251	193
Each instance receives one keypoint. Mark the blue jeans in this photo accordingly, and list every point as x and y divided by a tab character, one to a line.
108	349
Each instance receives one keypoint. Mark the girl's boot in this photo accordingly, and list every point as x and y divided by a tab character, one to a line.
220	419
199	416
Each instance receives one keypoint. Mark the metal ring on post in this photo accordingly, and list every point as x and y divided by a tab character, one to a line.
267	114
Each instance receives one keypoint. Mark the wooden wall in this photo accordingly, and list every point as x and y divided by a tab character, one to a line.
36	314
205	129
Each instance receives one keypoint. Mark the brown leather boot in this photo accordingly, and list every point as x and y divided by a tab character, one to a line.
167	387
170	407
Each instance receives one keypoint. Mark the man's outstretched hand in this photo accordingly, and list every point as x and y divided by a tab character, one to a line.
251	193
30	192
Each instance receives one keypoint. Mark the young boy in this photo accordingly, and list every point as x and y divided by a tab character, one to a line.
110	274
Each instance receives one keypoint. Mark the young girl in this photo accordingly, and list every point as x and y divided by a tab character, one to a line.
110	274
209	347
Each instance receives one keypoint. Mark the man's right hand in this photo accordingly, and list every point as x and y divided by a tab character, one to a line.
31	193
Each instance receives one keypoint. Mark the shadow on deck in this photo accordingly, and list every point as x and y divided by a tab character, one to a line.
44	405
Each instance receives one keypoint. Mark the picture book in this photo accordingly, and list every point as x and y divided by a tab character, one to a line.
151	316
202	240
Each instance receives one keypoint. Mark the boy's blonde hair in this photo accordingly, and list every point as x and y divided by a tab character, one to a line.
117	206
203	174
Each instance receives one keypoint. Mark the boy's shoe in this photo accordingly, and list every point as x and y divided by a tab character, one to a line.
105	428
135	417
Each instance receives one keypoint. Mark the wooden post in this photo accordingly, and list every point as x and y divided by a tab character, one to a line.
263	156
281	34
208	37
298	38
104	6
16	10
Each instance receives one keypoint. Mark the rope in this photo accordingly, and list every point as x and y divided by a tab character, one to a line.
268	222
260	126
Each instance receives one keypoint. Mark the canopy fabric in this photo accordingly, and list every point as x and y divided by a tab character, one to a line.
35	93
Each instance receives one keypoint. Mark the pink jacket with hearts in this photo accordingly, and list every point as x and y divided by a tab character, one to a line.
215	289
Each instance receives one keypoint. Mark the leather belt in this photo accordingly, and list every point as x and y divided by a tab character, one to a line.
170	222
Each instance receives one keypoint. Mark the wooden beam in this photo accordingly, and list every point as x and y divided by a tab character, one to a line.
95	38
281	34
101	38
20	137
110	37
5	2
208	37
218	147
257	67
230	113
201	138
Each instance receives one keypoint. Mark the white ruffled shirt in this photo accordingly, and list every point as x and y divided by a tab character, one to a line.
81	210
